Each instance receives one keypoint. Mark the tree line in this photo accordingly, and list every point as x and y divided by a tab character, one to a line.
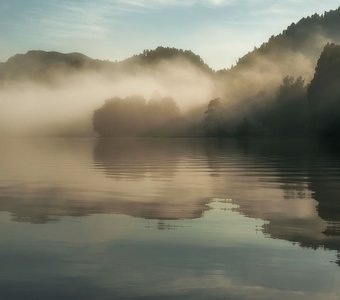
295	109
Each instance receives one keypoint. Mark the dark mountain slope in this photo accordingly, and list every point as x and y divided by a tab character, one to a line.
151	58
46	66
42	65
294	52
324	93
308	36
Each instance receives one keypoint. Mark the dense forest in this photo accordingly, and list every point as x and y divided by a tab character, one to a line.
295	109
295	91
300	37
134	116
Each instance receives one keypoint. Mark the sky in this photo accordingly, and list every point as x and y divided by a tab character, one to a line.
220	31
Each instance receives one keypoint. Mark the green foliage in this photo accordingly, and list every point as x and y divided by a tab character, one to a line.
133	116
43	66
324	93
245	128
286	115
152	57
214	118
298	110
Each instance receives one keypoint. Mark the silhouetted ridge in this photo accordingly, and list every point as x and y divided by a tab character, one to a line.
150	57
295	109
302	36
41	65
50	57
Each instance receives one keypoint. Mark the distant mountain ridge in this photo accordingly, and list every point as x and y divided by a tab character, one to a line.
307	37
151	57
37	64
41	65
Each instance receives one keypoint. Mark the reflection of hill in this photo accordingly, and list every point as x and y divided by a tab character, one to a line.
293	186
307	211
136	158
44	205
160	180
140	178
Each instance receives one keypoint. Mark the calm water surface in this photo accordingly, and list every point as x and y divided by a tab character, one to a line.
168	219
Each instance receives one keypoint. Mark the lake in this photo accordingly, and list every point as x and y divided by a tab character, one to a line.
169	219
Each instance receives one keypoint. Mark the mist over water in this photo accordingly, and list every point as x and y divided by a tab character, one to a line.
65	107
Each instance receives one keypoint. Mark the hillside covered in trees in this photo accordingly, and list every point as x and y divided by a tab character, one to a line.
306	36
43	66
134	116
296	108
294	52
40	66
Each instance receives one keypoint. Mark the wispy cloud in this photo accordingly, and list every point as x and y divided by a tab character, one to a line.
119	28
154	3
95	20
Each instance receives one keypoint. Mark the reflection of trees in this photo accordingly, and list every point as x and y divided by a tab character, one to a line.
43	205
139	178
158	160
47	204
137	158
292	185
308	174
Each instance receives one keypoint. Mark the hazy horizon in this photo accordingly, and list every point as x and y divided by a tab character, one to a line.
220	31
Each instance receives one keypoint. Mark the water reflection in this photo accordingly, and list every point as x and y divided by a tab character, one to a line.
296	188
292	185
150	179
169	219
138	158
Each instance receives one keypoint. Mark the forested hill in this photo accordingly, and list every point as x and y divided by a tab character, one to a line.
295	52
297	108
308	36
43	65
39	65
152	57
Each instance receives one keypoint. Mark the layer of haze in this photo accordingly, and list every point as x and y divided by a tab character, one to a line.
66	107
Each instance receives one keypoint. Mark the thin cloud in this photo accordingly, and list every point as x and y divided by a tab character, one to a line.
158	3
125	27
